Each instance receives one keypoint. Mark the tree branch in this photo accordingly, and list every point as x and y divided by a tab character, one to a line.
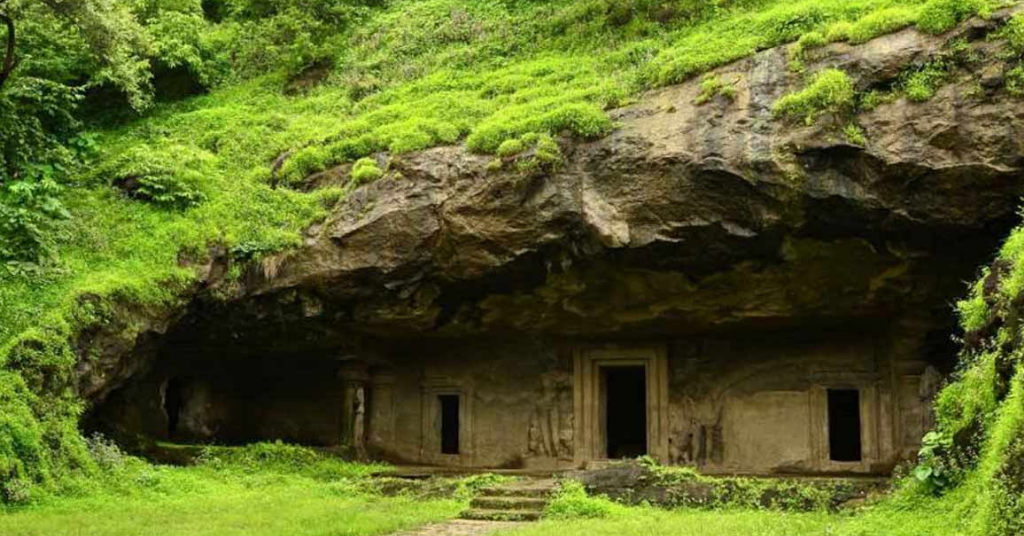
9	63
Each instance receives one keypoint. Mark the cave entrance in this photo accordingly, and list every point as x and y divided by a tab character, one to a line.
173	402
625	408
844	443
449	423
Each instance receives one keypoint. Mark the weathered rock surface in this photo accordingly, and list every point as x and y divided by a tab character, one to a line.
686	219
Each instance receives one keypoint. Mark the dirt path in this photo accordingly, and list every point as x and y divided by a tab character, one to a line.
460	527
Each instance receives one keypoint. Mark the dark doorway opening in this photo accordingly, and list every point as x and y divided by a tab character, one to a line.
625	411
844	425
173	401
449	423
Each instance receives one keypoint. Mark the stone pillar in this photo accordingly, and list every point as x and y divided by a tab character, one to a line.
381	425
353	376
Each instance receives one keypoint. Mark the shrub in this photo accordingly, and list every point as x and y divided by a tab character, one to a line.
16	491
366	170
305	162
168	175
30	209
938	16
830	91
282	458
105	452
572	502
933	470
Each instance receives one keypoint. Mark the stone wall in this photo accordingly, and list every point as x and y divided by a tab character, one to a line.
752	402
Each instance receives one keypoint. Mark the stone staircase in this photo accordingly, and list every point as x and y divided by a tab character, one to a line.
519	501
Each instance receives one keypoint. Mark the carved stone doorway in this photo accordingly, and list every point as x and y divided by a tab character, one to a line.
624	410
595	367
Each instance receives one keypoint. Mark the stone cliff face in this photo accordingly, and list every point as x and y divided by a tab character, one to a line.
687	219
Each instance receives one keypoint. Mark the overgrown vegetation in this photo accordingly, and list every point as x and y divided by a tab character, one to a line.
977	445
135	135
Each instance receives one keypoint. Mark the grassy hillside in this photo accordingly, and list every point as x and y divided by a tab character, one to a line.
152	187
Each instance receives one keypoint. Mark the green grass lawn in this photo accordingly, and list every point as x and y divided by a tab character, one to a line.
287	509
329	498
278	506
270	490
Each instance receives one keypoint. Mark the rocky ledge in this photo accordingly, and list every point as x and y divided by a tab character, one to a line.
688	218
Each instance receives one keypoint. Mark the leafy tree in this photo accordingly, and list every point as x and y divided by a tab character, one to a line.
8	65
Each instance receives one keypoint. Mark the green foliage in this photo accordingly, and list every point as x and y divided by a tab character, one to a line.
879	23
281	458
580	119
973	310
1015	81
30	207
932	469
854	134
267	490
510	147
830	91
468	487
812	39
712	86
938	16
167	175
1013	33
871	99
921	83
572	502
1001	467
366	170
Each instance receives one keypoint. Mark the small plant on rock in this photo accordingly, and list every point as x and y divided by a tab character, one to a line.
855	134
511	148
712	86
1015	81
921	84
366	170
830	91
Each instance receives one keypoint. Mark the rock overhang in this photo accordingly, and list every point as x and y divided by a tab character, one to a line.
687	219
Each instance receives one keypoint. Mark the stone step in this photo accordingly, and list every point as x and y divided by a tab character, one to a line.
482	514
535	504
539	492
